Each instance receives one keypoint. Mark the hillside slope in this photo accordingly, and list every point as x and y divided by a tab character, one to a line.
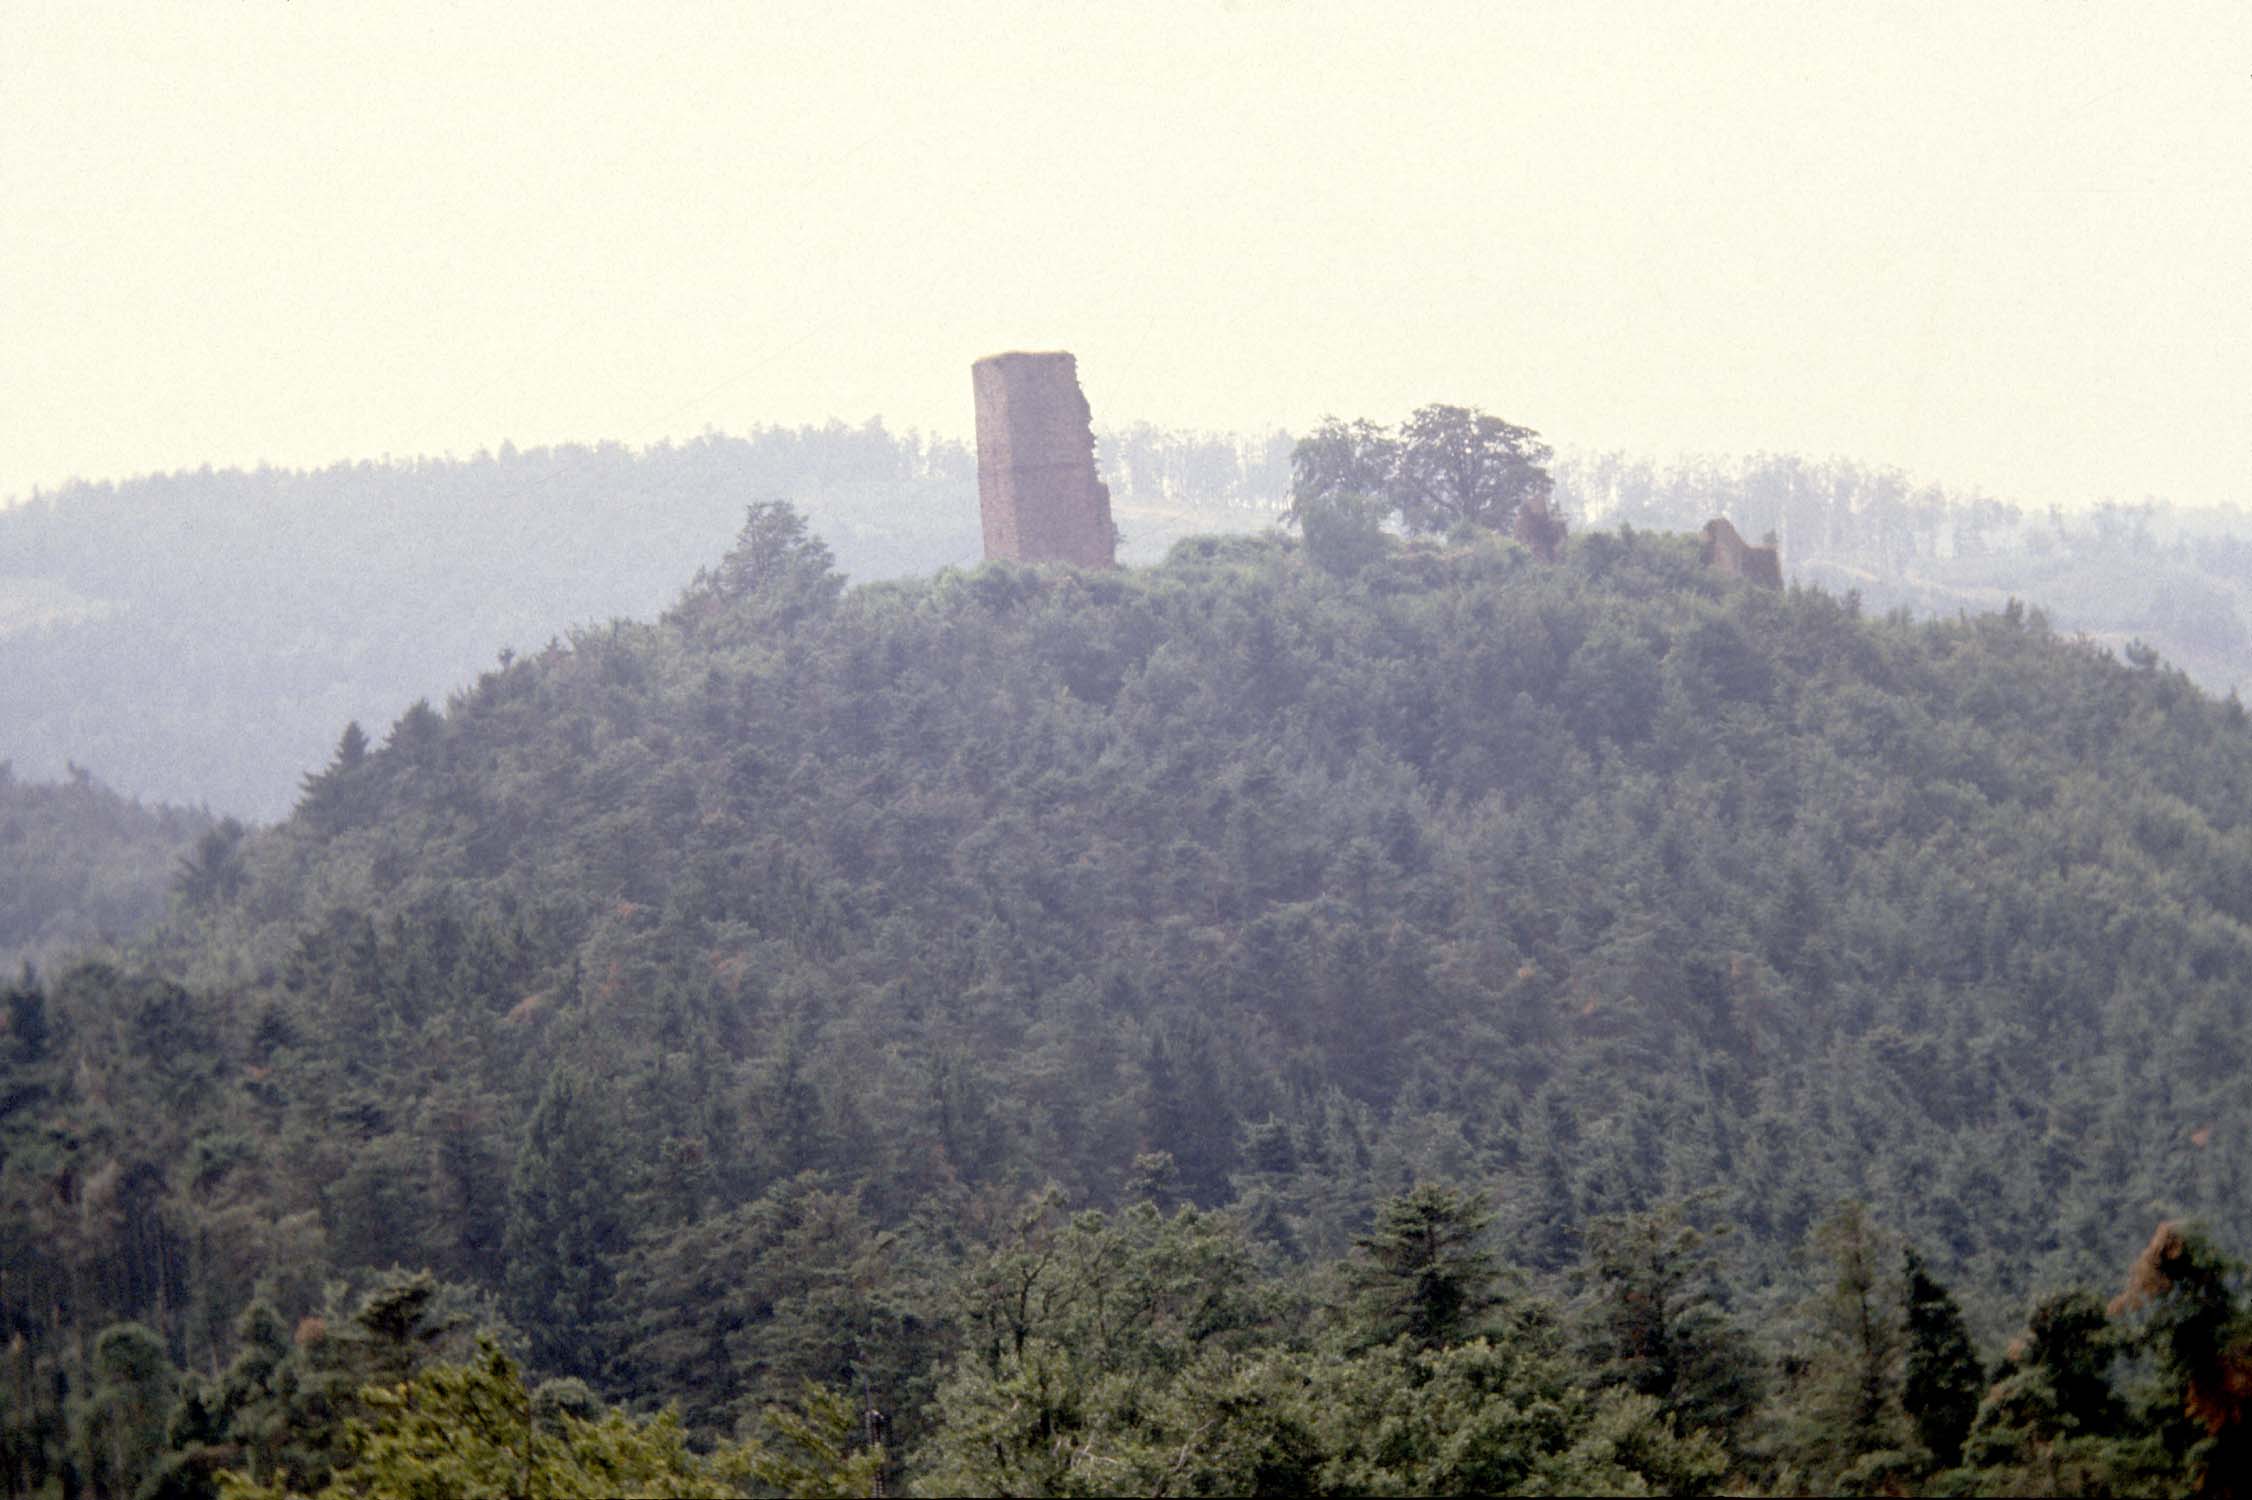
2167	577
80	865
143	623
1593	884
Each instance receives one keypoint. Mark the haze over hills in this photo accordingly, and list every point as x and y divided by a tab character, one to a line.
145	624
712	950
82	867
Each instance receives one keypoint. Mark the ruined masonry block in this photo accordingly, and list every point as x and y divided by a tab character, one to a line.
1727	552
1036	487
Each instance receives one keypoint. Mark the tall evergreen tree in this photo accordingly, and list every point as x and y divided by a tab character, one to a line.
1422	1272
566	1225
121	1419
1850	1429
1655	1325
1942	1380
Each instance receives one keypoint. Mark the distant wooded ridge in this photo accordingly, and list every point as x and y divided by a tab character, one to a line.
82	866
202	636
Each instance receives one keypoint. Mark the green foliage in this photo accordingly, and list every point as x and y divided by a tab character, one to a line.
1850	1428
80	865
399	1325
710	990
1135	1291
1084	1404
1495	1418
212	871
1344	532
566	1225
276	1415
120	1422
334	799
471	1432
250	1417
2052	1424
1460	467
2196	1316
777	572
1340	460
1072	1328
1653	1323
797	1288
1942	1379
1448	467
809	1449
1421	1273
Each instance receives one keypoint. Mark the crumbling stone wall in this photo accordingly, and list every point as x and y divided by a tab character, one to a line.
1539	528
1729	553
1037	492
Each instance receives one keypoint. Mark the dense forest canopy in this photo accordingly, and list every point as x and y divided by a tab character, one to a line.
1282	1018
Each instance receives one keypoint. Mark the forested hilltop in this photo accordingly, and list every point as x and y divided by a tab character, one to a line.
1387	1018
146	626
2140	576
81	866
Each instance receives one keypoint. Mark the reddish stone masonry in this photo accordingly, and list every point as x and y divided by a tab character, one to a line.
1037	493
1727	552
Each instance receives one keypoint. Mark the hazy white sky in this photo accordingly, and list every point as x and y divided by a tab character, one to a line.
2001	244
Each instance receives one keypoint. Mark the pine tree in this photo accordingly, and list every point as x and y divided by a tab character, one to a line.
121	1419
566	1224
2070	1342
1943	1380
1421	1272
1655	1325
1850	1427
2051	1425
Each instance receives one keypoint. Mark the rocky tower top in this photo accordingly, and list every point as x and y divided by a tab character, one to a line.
1036	487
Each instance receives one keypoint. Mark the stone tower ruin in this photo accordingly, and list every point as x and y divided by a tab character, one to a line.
1037	492
1727	552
